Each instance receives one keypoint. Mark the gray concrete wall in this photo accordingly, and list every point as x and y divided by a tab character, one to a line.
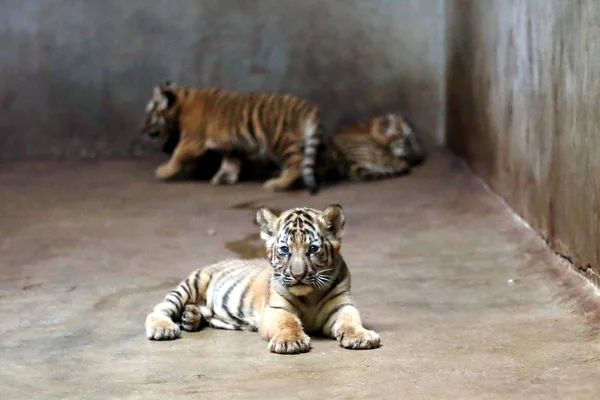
523	101
74	74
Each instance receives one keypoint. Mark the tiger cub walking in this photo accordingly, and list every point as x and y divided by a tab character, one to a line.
282	127
376	148
303	288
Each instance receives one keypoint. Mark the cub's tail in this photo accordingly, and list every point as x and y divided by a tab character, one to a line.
313	136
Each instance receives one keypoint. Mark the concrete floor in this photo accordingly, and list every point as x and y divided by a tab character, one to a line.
468	301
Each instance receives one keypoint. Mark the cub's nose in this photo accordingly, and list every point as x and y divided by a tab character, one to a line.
298	277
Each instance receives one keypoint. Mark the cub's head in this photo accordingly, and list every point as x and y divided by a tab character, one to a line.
404	143
161	112
303	245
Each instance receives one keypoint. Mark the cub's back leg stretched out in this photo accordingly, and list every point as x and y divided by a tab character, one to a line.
207	294
303	287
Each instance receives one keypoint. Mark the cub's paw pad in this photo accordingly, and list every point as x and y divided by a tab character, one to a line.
165	172
160	327
217	180
224	179
358	339
231	178
191	318
289	343
274	185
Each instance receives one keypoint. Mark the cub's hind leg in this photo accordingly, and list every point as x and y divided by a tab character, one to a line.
229	172
181	304
290	172
361	172
185	152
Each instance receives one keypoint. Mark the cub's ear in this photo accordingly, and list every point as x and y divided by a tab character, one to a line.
165	97
268	224
334	220
170	96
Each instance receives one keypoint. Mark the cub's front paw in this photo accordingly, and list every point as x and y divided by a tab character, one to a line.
358	338
160	327
191	318
289	342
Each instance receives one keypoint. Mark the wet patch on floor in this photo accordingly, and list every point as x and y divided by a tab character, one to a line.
248	247
254	205
247	205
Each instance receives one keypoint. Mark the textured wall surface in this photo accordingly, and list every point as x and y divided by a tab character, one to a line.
74	74
523	98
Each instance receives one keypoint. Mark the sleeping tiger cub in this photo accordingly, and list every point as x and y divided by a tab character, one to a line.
303	288
376	148
282	127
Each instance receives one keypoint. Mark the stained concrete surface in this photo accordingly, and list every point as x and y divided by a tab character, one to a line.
75	75
523	99
467	300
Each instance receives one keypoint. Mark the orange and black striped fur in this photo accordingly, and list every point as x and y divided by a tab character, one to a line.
303	287
280	127
376	148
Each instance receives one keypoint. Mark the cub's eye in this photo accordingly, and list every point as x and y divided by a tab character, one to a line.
313	249
284	250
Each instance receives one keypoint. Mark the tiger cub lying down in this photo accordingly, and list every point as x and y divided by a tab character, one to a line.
376	148
303	288
281	127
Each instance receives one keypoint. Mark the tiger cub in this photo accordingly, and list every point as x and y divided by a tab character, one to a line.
303	287
371	149
281	127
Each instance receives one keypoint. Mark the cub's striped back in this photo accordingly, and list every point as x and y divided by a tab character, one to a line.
282	127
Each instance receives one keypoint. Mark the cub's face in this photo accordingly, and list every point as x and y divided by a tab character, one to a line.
157	123
302	244
404	143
